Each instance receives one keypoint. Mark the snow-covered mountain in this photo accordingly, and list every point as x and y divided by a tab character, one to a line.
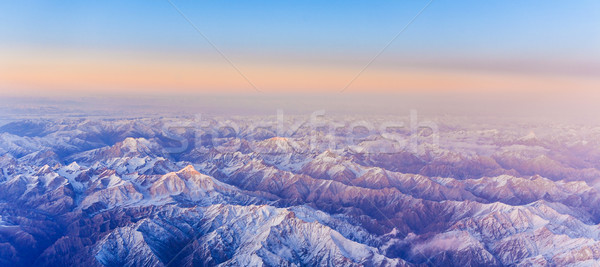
113	193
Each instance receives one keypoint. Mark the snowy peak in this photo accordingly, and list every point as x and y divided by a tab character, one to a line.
188	171
135	147
274	145
134	144
195	186
128	148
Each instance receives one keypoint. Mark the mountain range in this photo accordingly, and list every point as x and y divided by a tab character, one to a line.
115	192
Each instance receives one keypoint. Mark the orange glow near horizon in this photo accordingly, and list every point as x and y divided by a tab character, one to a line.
48	73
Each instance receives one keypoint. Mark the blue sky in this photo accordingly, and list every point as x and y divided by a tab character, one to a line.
494	27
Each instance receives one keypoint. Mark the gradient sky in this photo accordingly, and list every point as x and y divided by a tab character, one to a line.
93	47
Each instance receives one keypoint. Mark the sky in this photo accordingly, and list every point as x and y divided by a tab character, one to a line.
157	47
